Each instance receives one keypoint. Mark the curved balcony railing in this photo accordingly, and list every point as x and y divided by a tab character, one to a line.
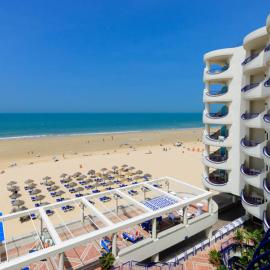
267	83
217	158
266	220
216	136
248	143
217	178
217	115
267	48
251	200
266	118
219	92
266	185
249	59
219	70
249	171
266	151
249	87
249	116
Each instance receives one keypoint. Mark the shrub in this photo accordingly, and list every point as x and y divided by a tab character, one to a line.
107	261
214	257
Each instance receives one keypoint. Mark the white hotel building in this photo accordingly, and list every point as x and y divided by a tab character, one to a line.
237	122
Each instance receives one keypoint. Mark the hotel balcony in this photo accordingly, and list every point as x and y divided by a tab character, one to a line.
256	90
252	148
216	180
253	177
217	160
266	188
266	119
254	204
221	95
267	53
266	221
253	120
218	73
219	138
266	153
220	117
255	63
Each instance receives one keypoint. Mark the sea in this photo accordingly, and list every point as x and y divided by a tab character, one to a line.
18	125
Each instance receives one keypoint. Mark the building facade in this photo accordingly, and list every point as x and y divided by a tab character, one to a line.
237	122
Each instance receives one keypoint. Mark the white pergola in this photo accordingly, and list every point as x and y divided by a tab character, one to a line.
60	246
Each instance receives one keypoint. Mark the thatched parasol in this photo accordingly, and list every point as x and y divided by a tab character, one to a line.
28	181
11	183
18	203
91	172
63	175
35	191
53	188
14	196
40	197
72	184
13	188
50	183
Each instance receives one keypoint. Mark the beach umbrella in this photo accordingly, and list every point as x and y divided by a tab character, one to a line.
60	193
114	168
31	185
14	196
139	172
35	191
76	174
14	210
63	175
124	166
91	172
11	183
72	184
147	175
81	177
13	188
66	180
53	188
50	183
28	181
18	203
46	179
131	168
79	189
40	197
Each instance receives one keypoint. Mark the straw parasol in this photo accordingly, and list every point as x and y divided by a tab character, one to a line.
53	188
31	185
91	172
76	174
131	168
60	192
13	188
28	181
11	183
35	191
40	197
14	196
79	189
63	175
18	203
66	180
114	168
72	184
124	166
46	179
147	175
50	183
139	172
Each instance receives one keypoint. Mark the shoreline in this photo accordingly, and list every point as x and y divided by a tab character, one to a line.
96	133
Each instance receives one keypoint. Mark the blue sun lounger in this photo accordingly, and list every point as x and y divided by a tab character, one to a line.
2	235
104	244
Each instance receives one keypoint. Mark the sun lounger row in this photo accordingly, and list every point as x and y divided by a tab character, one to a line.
159	202
67	208
105	199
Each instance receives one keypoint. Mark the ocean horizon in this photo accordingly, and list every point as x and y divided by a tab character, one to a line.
19	125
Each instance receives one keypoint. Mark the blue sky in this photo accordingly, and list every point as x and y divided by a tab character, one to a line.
114	56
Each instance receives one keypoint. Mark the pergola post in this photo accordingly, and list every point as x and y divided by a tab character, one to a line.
114	244
83	217
154	228
61	261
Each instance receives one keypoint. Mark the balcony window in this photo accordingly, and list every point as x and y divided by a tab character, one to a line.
217	89
217	68
220	155
218	110
220	134
253	196
218	177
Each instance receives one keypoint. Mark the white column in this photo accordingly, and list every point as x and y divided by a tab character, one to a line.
82	207
209	232
210	205
155	258
114	245
154	228
61	261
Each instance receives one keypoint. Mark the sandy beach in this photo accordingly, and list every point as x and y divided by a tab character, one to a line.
151	152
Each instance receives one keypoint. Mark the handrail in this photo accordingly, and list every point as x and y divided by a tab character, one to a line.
218	71
216	181
266	221
250	172
249	116
220	92
250	58
250	200
267	48
266	151
266	187
249	143
249	87
267	83
266	117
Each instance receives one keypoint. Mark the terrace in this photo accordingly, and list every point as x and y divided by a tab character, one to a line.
76	232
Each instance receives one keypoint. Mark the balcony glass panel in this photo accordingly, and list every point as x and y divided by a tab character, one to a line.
249	116
250	58
217	68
